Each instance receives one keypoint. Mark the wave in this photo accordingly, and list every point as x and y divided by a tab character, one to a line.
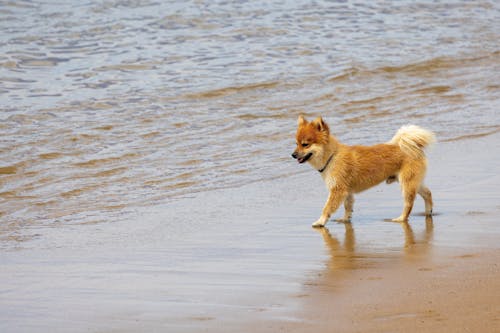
428	66
231	90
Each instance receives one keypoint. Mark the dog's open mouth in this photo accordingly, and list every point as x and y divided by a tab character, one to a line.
305	158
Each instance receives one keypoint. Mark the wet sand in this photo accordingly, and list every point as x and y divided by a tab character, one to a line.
457	292
246	260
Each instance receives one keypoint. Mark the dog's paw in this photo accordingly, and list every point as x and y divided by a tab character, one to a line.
399	219
343	220
318	224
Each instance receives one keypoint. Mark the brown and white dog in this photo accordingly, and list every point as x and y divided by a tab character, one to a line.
351	169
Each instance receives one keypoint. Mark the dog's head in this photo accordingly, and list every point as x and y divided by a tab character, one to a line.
311	138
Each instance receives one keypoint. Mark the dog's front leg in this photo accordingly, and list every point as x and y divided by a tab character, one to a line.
348	203
335	198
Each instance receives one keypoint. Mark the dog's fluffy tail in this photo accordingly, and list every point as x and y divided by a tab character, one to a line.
413	139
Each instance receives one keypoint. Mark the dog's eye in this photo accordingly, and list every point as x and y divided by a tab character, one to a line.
305	145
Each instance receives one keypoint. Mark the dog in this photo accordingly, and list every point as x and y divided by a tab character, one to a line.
347	170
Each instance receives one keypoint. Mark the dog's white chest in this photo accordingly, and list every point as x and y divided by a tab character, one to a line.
329	180
327	176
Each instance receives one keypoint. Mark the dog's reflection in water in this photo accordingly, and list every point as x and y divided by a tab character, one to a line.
418	247
344	256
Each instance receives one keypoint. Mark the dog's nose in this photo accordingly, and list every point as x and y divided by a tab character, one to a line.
294	155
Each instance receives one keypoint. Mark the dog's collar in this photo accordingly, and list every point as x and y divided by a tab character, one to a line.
326	165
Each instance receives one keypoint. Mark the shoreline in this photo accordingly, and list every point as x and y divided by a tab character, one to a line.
246	259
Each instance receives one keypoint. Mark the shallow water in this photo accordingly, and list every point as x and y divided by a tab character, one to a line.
110	107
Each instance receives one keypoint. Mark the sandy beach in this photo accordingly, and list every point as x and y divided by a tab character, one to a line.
246	260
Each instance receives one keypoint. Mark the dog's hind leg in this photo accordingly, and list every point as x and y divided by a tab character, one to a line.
426	194
409	198
411	178
348	204
410	183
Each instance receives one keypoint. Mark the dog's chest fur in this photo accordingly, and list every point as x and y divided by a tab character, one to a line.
328	177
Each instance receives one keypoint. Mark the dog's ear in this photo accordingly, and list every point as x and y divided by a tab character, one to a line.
301	121
320	125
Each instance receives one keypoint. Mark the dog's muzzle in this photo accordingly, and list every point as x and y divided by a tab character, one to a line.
301	159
